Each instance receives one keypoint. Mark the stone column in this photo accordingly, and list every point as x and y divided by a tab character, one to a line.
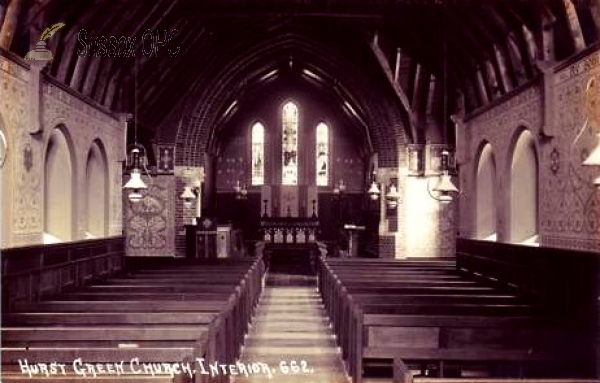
35	97
429	225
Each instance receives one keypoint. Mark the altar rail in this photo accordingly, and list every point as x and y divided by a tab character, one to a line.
32	272
291	230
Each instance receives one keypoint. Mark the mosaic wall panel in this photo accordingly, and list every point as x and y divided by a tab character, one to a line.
500	126
84	123
557	110
570	209
150	223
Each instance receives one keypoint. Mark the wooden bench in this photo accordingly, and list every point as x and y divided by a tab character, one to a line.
402	374
78	357
202	310
397	310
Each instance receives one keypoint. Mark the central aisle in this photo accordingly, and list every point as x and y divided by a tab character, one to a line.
290	333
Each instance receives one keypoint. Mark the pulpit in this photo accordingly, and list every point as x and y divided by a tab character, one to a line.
353	233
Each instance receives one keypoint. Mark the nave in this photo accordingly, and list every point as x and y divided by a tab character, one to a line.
361	320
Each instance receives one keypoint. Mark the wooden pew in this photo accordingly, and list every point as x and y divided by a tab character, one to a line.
76	359
203	308
108	318
104	336
402	374
382	312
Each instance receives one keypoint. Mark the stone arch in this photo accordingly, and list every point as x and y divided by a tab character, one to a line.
6	182
486	196
524	195
59	187
96	191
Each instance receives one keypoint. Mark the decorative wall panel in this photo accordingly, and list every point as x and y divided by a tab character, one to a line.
570	209
499	125
150	223
83	123
569	204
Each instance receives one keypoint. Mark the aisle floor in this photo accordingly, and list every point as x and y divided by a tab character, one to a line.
291	334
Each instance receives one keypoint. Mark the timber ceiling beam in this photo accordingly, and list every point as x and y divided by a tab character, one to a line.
401	96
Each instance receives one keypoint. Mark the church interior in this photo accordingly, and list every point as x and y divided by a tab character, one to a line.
300	191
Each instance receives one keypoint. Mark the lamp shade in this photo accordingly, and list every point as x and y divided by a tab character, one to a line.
392	193
594	157
445	185
135	182
135	196
374	191
188	194
445	198
392	197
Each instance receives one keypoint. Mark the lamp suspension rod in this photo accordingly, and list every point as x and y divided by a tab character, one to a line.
445	74
135	99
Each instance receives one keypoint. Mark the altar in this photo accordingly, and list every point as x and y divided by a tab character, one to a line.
290	201
289	227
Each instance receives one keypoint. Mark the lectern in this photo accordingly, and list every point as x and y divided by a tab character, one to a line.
353	232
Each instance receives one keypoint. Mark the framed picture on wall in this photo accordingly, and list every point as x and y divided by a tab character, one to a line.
435	158
165	159
416	160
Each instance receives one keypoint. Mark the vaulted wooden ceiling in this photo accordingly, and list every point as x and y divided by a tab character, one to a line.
385	61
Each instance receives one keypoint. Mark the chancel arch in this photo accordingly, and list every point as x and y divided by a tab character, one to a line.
58	187
524	189
486	214
96	184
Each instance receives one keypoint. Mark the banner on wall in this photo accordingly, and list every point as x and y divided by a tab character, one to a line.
150	223
165	163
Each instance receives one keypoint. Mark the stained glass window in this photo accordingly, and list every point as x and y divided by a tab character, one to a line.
289	167
258	154
322	153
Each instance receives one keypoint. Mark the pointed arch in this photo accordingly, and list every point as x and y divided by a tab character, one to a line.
6	185
486	194
59	194
258	153
322	154
96	197
289	125
524	189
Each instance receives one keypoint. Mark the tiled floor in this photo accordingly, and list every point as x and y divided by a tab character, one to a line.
291	334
